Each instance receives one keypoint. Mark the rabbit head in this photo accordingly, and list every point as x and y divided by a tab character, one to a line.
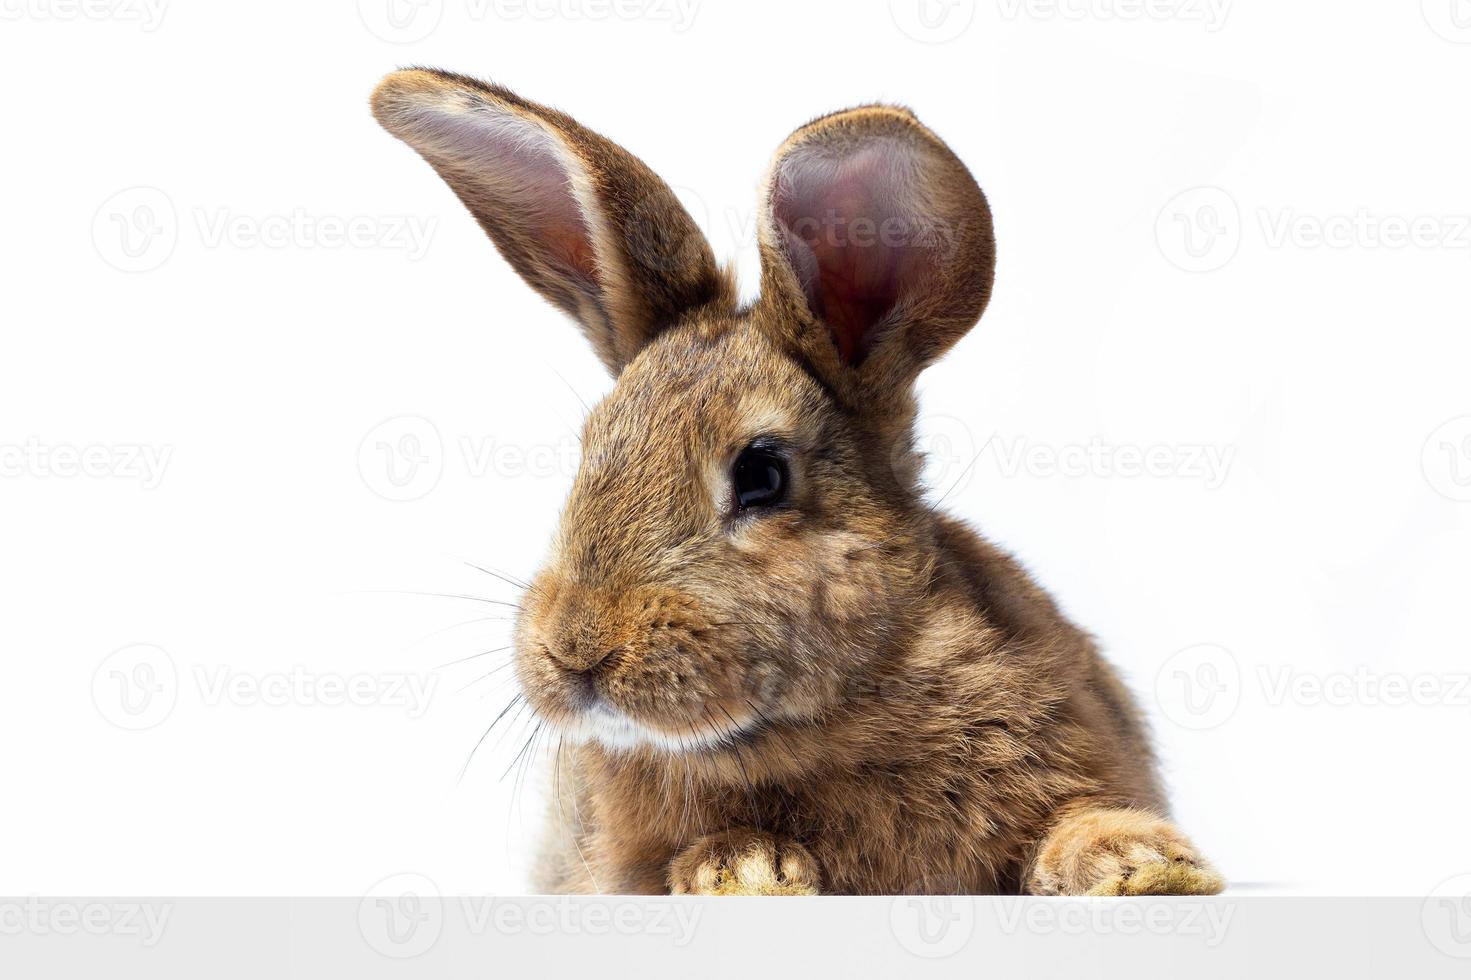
745	534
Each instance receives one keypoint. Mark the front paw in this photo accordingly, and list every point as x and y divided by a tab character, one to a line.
1121	852
744	862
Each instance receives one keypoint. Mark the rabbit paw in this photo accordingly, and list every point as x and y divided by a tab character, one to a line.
1121	852
744	862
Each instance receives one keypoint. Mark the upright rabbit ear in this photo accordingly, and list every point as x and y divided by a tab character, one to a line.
877	249
582	220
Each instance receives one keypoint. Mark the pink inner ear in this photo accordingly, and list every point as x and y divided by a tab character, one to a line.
520	170
855	234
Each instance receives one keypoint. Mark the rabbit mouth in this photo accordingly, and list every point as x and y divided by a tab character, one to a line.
602	722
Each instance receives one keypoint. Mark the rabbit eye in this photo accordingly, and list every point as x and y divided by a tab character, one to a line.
760	477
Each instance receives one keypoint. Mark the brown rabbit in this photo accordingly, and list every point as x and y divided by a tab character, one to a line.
776	669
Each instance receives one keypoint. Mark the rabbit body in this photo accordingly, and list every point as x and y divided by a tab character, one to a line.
773	667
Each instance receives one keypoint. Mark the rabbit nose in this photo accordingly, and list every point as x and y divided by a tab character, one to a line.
584	626
579	654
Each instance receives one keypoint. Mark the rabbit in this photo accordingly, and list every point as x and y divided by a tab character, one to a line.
774	668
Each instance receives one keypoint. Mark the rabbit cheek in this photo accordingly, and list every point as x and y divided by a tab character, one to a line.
843	585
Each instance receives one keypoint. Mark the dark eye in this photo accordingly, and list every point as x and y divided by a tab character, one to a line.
760	477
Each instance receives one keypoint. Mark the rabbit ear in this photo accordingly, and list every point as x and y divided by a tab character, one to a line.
582	220
876	247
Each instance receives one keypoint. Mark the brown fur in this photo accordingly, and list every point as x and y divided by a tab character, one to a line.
850	693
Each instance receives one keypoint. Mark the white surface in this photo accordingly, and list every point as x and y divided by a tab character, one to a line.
384	934
261	354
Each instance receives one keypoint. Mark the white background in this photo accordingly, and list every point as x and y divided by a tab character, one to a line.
1201	208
